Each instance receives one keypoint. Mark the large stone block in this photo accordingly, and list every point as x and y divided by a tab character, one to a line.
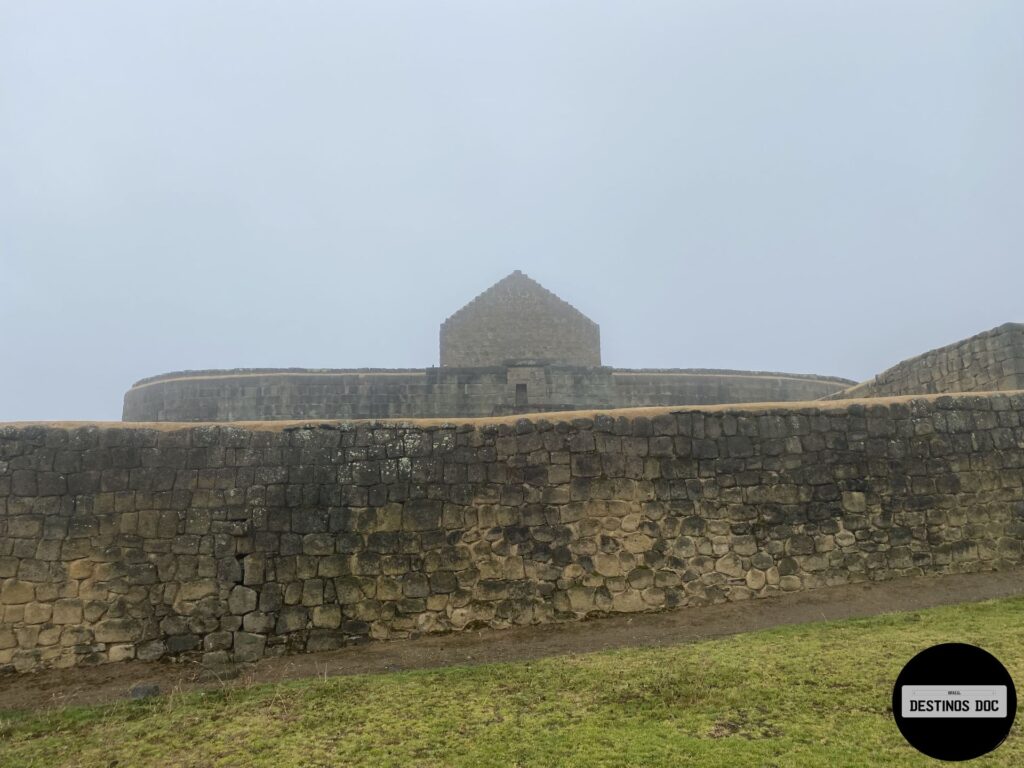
117	630
422	514
197	590
242	600
248	646
15	592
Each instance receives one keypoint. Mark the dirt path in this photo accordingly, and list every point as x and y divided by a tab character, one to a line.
92	685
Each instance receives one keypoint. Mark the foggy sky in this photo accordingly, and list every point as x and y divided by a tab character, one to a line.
817	187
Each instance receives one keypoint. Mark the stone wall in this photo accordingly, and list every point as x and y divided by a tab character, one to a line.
261	395
991	361
227	543
640	388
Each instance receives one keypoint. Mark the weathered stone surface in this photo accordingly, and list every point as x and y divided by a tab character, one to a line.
150	651
259	623
440	392
790	583
629	601
755	579
854	501
581	599
117	630
518	319
15	592
121	652
271	539
292	619
248	647
242	600
196	590
730	565
327	616
37	613
217	641
990	361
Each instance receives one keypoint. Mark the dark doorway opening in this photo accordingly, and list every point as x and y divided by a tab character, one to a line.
520	394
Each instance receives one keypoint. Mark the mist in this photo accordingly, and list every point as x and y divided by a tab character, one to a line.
793	186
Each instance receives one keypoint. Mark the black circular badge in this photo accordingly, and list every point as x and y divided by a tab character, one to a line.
954	702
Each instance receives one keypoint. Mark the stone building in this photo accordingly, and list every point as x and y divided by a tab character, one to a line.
515	322
515	348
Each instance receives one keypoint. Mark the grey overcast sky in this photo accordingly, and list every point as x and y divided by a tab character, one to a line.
814	186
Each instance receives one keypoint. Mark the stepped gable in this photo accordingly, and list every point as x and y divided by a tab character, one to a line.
517	320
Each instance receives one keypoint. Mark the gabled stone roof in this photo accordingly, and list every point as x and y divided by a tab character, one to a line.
518	319
518	287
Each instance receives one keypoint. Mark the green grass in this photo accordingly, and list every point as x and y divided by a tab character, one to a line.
813	695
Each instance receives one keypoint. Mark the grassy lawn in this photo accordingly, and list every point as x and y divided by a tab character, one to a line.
814	695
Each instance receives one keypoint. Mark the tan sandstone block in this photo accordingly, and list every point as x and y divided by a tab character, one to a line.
854	501
628	601
327	616
437	602
654	596
121	652
68	611
197	590
581	599
49	636
730	565
607	565
637	543
790	583
15	592
38	613
756	579
80	569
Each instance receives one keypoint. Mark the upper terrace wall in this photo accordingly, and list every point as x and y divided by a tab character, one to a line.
435	392
641	388
988	362
238	541
446	393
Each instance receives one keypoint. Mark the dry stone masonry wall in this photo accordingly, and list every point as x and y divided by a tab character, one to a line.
639	388
991	361
448	392
229	544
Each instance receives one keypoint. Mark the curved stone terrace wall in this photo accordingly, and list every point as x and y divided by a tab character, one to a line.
266	394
